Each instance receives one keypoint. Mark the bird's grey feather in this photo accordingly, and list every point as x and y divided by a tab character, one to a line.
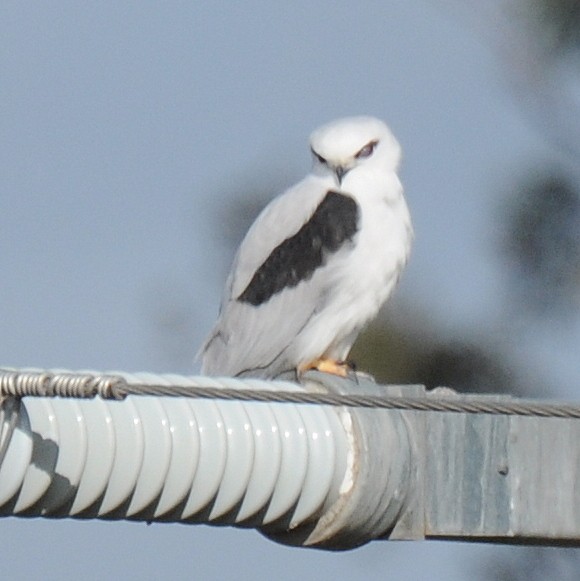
236	343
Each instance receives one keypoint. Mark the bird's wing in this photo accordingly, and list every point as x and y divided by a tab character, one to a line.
279	220
272	292
251	339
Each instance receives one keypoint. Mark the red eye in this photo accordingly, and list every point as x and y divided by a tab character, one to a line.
367	150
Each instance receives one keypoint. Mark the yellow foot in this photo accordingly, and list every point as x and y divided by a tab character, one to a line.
339	368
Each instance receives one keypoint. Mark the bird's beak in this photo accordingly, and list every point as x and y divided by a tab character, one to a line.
340	172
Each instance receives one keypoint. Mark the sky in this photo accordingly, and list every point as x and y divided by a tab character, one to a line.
128	127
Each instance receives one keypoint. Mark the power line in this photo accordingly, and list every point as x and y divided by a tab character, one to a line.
43	383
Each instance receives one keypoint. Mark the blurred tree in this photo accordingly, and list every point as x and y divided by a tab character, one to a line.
398	353
542	244
555	24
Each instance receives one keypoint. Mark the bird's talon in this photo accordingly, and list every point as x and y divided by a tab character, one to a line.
340	368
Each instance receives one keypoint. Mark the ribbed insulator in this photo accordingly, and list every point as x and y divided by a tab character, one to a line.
173	459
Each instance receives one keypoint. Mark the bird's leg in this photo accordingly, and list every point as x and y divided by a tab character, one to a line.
326	365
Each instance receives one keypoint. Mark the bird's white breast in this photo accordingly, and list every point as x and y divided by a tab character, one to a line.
363	275
380	252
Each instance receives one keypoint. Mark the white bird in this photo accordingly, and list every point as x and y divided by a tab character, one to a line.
318	262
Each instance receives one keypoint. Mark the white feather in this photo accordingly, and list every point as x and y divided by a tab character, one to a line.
321	316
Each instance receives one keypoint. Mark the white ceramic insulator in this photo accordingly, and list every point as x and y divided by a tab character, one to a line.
174	459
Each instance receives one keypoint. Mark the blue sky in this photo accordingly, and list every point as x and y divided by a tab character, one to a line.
128	125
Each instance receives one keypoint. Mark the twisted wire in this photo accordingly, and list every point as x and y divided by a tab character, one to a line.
66	384
88	385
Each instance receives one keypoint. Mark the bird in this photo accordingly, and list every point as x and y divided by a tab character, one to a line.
318	262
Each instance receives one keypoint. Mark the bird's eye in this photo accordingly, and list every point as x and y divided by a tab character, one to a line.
367	150
318	157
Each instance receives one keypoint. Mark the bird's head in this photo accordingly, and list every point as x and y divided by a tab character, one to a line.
345	144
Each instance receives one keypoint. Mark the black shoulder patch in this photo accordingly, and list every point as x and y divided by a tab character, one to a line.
333	223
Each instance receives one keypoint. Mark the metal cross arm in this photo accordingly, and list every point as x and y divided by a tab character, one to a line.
341	463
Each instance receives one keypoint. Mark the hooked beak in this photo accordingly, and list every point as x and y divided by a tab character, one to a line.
340	172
